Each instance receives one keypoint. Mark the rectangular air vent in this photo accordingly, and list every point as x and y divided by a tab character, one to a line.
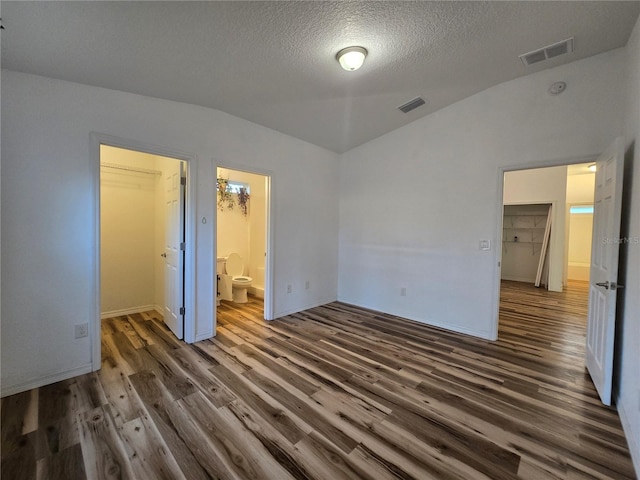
411	105
550	51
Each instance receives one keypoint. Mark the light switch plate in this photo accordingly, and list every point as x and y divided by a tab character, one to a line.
485	244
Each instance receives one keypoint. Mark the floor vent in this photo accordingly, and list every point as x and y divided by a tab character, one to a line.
411	105
550	51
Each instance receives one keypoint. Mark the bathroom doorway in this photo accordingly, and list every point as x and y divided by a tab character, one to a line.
243	229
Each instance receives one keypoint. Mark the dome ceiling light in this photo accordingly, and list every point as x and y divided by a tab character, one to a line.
351	58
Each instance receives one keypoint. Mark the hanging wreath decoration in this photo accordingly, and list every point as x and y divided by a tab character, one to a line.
226	197
243	201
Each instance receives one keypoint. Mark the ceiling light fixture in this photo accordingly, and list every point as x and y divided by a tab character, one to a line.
592	167
351	58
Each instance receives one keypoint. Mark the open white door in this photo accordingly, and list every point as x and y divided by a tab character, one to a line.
174	249
604	268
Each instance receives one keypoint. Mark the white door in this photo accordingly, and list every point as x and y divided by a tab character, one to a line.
174	250
604	268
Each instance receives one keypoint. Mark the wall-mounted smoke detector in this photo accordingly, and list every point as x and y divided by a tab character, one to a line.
557	88
412	105
550	51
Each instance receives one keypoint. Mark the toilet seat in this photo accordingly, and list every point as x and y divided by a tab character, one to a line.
234	265
235	268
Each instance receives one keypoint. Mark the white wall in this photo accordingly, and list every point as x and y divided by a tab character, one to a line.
543	185
628	397
579	230
580	188
414	203
49	222
579	246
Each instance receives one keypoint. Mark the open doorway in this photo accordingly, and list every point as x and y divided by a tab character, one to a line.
142	235
561	262
243	239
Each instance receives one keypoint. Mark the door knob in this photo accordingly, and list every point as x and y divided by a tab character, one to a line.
603	284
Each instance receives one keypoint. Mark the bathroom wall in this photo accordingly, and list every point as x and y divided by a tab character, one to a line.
245	235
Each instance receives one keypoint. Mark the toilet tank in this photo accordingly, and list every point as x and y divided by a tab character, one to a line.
220	261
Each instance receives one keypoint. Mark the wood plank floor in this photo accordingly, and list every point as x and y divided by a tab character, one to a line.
335	392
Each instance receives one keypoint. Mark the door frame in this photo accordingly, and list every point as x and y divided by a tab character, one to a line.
269	235
96	140
497	273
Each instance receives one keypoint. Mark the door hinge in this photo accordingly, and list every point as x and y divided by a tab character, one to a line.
183	246
181	310
183	180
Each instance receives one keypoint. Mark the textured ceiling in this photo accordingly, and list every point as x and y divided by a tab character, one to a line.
274	62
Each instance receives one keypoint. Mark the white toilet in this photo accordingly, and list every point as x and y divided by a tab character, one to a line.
235	267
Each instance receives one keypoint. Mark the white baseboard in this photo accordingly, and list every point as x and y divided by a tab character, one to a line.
632	441
256	291
129	311
204	336
304	307
44	380
519	279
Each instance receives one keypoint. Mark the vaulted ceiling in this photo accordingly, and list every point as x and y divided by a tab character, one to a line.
273	62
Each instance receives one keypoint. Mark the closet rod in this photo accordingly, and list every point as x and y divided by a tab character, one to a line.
130	169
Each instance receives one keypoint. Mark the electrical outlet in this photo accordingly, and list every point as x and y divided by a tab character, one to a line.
289	288
82	330
306	285
403	292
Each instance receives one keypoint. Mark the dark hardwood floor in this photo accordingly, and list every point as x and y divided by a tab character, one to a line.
335	392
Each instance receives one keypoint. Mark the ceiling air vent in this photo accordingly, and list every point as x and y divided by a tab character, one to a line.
550	51
412	105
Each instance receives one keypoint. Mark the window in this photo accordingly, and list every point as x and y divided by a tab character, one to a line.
583	209
234	186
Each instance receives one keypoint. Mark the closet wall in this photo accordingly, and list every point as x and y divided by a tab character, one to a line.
523	229
132	230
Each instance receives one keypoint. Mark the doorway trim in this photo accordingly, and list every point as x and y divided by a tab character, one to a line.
96	140
269	300
559	162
